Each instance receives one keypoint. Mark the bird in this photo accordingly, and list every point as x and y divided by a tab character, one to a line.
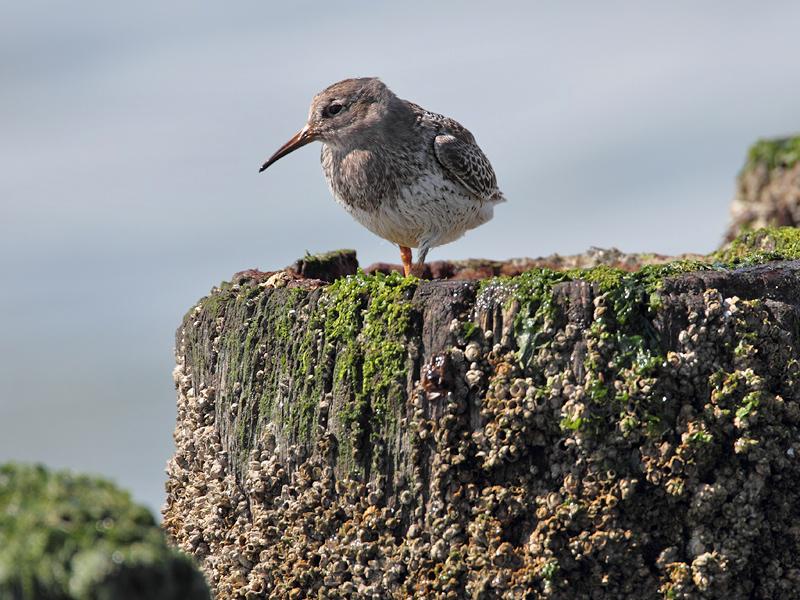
409	175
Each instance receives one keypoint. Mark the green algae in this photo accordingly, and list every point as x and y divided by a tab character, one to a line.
761	245
368	319
550	569
632	295
351	339
325	258
633	299
534	292
284	349
624	354
637	405
774	153
73	537
469	329
322	260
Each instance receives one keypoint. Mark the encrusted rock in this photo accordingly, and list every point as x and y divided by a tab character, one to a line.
768	187
581	434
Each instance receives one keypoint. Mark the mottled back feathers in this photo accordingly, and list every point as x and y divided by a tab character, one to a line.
458	153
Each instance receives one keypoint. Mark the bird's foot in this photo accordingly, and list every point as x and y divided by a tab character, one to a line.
411	268
405	256
417	270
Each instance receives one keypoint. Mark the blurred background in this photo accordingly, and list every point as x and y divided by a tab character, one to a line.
131	136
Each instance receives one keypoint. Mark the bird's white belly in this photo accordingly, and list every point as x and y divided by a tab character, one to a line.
430	212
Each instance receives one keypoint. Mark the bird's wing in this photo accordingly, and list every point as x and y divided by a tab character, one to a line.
467	164
460	156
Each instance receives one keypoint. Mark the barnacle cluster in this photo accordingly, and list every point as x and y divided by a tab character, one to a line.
580	434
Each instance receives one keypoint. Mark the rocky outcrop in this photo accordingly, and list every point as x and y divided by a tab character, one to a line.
72	537
768	187
559	434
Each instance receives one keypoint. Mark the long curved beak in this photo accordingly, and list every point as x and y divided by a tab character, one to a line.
299	139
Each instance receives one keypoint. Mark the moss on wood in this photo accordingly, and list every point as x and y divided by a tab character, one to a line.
774	153
560	432
760	246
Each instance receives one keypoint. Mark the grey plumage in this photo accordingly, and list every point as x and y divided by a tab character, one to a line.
411	176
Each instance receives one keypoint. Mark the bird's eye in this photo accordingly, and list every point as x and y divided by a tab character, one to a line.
333	109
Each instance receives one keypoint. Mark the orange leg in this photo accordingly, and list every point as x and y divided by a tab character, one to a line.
405	256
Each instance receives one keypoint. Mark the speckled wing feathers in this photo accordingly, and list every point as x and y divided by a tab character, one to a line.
459	155
468	165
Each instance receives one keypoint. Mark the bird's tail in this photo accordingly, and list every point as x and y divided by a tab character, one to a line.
497	197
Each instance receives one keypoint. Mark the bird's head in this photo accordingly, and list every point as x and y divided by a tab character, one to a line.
341	113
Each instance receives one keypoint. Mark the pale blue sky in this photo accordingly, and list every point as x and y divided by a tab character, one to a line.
131	136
